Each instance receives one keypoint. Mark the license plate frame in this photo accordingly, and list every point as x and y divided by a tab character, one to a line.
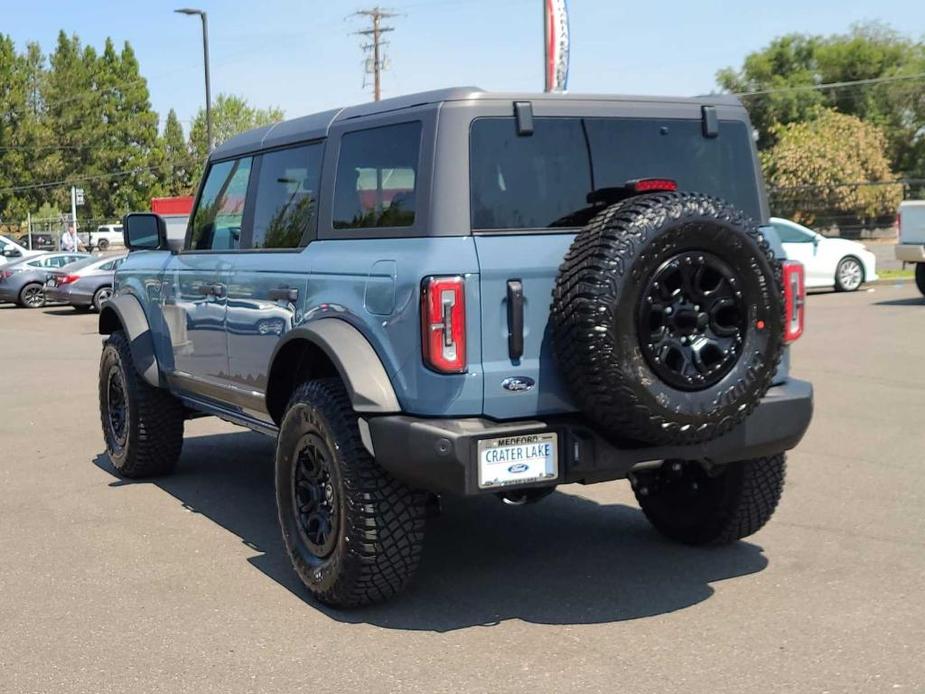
517	462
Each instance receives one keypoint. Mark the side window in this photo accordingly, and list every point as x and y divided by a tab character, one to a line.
287	196
377	176
789	234
217	220
42	262
107	267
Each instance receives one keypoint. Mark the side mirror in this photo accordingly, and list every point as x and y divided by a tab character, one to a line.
144	231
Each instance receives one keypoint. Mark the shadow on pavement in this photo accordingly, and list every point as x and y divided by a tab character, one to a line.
566	560
914	301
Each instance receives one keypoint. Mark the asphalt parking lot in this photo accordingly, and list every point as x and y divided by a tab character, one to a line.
182	584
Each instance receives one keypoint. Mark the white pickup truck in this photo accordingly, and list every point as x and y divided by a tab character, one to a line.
911	246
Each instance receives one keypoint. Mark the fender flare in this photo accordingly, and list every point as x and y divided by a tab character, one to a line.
357	363
125	312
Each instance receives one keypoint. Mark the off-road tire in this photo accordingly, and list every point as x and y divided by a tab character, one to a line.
378	521
697	508
596	306
26	293
920	277
153	431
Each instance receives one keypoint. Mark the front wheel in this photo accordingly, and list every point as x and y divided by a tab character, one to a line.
352	531
691	504
32	296
849	275
142	424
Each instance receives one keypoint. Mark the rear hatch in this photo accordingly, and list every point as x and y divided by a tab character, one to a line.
530	196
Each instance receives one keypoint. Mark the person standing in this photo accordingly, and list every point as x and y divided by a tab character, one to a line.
70	241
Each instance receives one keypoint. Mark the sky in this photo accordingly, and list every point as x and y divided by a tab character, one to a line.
302	57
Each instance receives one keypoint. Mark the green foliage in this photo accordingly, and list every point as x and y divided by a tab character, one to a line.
797	63
231	115
177	152
814	167
85	118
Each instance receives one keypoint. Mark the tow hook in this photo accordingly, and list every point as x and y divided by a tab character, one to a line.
522	497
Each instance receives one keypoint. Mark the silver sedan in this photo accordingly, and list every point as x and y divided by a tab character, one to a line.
84	285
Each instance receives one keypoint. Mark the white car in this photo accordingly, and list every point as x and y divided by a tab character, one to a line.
106	236
10	251
827	261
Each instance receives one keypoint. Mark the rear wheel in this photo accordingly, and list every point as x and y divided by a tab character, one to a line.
920	277
352	531
849	275
103	244
101	296
142	425
32	296
690	504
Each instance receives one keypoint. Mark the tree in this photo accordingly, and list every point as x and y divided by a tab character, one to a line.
815	167
181	168
231	115
787	71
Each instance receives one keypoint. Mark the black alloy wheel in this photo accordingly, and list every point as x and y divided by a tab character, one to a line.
116	409
692	320
315	496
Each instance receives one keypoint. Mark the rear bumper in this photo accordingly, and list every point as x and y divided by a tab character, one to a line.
440	454
910	252
68	295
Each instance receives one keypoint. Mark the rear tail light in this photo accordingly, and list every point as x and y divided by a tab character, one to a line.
443	323
794	300
67	279
6	274
653	185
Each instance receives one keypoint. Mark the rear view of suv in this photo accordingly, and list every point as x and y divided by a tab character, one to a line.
468	293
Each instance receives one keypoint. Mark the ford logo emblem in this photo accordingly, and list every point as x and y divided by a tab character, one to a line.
518	384
518	467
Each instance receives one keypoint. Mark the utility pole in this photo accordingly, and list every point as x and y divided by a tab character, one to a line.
376	15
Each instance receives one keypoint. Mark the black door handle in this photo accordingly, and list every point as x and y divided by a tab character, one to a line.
515	319
290	294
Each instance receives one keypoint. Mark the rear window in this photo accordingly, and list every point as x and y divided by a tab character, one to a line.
543	180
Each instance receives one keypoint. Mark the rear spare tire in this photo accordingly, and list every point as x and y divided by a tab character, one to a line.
668	318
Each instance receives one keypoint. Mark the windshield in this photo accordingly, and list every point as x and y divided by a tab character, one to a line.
543	180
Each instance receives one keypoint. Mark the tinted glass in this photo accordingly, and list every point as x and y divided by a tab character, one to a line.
287	196
377	176
543	180
526	182
789	234
217	220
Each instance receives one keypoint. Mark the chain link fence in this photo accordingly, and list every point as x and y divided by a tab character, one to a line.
817	207
45	234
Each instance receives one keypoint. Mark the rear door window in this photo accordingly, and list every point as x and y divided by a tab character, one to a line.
376	180
286	201
219	215
543	180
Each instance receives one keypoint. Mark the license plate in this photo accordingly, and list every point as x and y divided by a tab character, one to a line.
518	460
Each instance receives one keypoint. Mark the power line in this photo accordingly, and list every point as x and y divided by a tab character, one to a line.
832	85
378	62
83	179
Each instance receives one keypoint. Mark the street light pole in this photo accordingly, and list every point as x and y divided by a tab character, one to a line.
205	60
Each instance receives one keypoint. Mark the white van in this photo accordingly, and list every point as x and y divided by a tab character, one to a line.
911	246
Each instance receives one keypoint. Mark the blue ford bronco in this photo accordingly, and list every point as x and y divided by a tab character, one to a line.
461	292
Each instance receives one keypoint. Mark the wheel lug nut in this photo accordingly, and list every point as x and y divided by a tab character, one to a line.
643	491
